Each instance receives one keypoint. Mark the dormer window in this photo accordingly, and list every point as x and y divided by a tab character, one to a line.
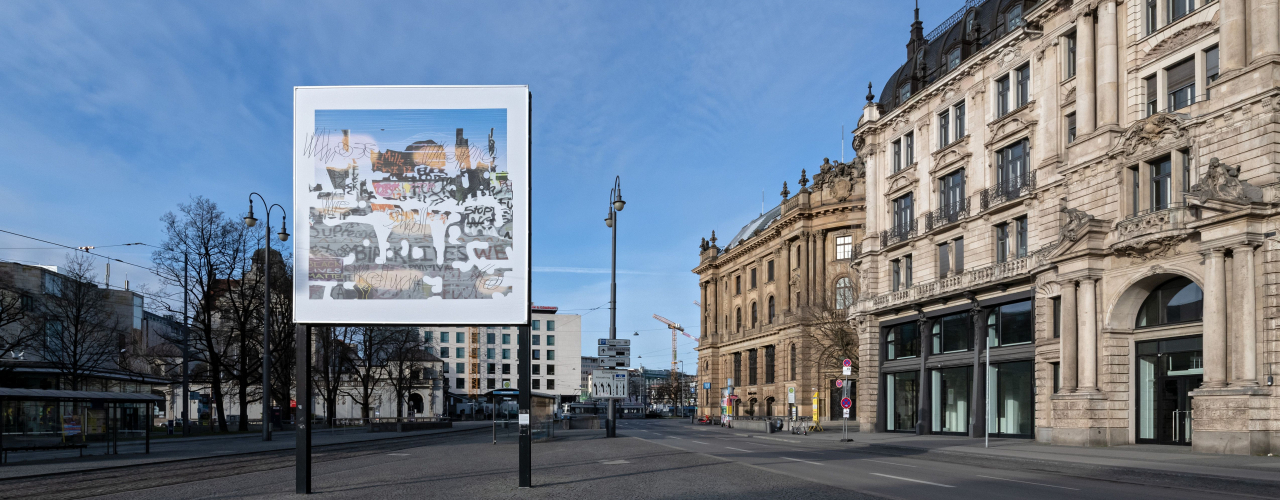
1013	18
904	92
953	59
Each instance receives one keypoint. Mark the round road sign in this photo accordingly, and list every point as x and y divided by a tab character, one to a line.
839	383
791	390
846	403
848	362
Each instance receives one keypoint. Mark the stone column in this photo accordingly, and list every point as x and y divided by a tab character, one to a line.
1233	36
804	270
1108	100
713	302
1245	336
821	269
787	266
1068	344
1086	82
1215	320
978	393
1088	331
924	413
1264	28
811	269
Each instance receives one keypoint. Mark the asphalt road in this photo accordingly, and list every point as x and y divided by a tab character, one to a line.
864	470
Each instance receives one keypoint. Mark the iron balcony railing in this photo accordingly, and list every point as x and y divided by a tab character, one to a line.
948	213
1007	190
898	234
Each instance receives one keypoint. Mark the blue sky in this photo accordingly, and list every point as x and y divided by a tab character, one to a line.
115	112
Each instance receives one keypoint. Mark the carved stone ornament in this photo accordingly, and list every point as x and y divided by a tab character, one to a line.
1151	132
857	143
1177	40
1222	182
837	178
1155	247
1077	221
1009	55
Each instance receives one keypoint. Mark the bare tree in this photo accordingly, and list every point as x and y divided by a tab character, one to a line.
82	334
335	359
283	337
405	362
19	325
371	348
240	317
829	337
203	235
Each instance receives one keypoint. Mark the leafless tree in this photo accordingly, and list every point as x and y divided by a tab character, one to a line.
335	358
829	337
82	334
240	319
371	347
201	233
283	334
405	362
19	325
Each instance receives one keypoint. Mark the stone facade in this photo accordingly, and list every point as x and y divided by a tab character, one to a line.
1086	154
764	291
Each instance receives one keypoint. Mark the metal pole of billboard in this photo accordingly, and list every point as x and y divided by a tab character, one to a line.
615	206
524	356
302	468
266	305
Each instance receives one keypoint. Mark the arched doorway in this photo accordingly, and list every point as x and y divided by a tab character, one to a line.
768	406
751	406
1168	368
415	404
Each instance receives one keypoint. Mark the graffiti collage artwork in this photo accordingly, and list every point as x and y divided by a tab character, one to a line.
408	205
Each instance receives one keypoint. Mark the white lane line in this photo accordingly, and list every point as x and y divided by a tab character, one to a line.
798	460
699	442
739	449
399	454
1029	482
912	480
890	463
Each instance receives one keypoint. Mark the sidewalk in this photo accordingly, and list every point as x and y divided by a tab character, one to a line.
25	464
1026	453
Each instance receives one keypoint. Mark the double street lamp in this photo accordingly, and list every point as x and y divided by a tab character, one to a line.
250	221
615	206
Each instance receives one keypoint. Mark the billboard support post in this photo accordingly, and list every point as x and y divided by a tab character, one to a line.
303	433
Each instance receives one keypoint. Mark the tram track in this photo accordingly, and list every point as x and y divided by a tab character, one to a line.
119	479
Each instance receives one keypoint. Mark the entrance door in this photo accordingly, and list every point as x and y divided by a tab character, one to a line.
1168	371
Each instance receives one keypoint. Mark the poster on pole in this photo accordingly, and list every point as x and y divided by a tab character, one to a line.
411	205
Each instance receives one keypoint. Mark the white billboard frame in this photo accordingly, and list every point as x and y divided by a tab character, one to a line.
507	309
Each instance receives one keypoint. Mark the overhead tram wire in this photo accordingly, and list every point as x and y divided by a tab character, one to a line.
151	295
145	268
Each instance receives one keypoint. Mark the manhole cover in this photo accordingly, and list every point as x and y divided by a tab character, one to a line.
614	462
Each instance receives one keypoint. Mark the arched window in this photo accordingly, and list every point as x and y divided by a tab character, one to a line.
1178	300
793	362
754	316
737	313
772	311
844	293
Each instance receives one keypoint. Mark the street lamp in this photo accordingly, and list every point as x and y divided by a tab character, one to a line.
615	205
250	221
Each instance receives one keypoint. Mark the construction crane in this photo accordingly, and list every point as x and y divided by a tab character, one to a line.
675	327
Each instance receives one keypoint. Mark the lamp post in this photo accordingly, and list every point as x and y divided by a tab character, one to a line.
615	206
266	307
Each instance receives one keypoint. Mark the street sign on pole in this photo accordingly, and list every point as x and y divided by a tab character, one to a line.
612	351
846	367
791	395
609	384
616	342
846	403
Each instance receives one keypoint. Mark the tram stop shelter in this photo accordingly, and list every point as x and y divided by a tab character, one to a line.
541	413
85	421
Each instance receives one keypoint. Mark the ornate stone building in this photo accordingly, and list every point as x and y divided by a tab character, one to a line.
1071	233
763	291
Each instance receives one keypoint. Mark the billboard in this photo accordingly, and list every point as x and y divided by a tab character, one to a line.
411	205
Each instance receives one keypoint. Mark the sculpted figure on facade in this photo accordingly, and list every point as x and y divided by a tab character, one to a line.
1222	182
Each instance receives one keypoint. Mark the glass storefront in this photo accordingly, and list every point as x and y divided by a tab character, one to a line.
1013	404
950	387
1168	370
902	397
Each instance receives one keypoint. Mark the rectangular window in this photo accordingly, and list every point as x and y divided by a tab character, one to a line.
445	367
488	353
1135	193
1181	80
426	337
909	147
1024	84
958	248
953	59
844	249
902	394
751	366
551	369
1014	18
1002	96
537	384
952	333
1012	407
737	367
492	338
506	339
753	279
1071	128
444	337
551	325
896	265
1020	241
944	128
459	383
944	260
459	337
1186	170
551	340
897	155
1002	242
551	354
1057	317
537	324
1011	324
1210	70
551	384
537	369
737	285
506	368
460	368
1070	59
1152	17
1161	183
492	384
506	354
537	354
444	352
768	364
906	271
537	340
959	120
902	341
1153	95
904	93
492	369
950	389
1180	8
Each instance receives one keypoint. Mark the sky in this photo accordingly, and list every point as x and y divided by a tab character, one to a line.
114	112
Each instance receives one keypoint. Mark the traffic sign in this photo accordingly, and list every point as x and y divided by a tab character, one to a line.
615	362
706	385
791	395
846	413
609	350
839	383
609	384
846	371
846	403
616	342
847	362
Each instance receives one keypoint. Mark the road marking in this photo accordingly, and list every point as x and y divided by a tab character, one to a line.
1029	482
699	442
890	463
614	462
912	480
798	460
399	454
739	449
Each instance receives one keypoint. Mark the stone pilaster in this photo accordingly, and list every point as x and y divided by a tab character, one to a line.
1069	353
1233	36
1086	80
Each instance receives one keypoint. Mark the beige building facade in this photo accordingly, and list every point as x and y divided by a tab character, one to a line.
1071	226
762	292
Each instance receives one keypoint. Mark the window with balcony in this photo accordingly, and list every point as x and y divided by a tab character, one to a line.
1011	324
1071	128
901	341
952	334
1011	240
1069	54
844	293
904	213
1011	169
951	258
1002	96
844	247
951	195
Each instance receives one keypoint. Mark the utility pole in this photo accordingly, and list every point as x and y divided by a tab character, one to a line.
186	351
266	305
615	205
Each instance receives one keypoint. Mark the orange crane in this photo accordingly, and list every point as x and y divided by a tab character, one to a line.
675	327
